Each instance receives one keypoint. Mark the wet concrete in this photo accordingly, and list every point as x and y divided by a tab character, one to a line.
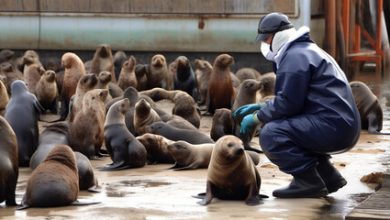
156	192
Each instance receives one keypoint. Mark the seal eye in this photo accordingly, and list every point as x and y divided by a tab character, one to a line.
230	144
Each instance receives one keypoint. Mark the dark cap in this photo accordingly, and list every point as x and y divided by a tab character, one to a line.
272	23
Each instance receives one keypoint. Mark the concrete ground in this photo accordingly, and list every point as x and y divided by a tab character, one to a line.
156	192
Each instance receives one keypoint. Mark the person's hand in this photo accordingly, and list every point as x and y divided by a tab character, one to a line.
248	122
247	109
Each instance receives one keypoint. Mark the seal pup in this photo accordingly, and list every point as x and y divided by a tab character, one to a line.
247	73
222	124
267	84
158	72
103	61
124	149
9	170
119	58
157	148
228	159
220	92
87	178
203	69
127	75
46	91
32	74
22	113
184	78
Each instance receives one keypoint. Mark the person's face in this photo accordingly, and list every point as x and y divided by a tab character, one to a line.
269	39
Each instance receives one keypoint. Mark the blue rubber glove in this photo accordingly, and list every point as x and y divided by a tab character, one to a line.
248	122
247	109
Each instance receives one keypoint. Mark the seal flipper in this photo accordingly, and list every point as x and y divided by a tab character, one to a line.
189	167
94	189
200	195
23	206
248	147
84	202
115	166
209	195
253	198
175	166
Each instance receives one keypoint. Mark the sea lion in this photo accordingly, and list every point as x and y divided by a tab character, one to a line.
195	156
74	70
185	105
247	73
228	159
86	131
184	78
22	113
220	92
104	79
51	136
6	55
127	75
158	71
103	61
176	134
30	57
141	71
144	115
55	181
11	74
157	148
86	83
4	98
32	74
124	149
47	92
235	81
87	178
9	171
246	93
203	70
119	58
222	123
371	114
114	90
267	84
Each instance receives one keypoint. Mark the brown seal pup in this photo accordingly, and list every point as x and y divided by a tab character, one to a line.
124	149
184	77
228	159
11	74
220	92
22	113
86	83
158	72
86	131
119	58
157	148
185	105
47	91
141	71
203	69
74	70
30	57
127	75
4	98
194	156
176	134
222	123
235	81
104	79
246	93
9	171
55	181
144	115
371	114
103	61
51	136
267	87
87	178
32	74
247	73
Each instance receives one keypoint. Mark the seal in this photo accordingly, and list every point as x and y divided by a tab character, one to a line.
246	93
267	84
235	81
30	57
141	72
55	181
247	73
6	55
195	156
86	83
8	163
103	61
176	134
185	105
184	78
127	75
46	91
157	148
52	135
371	113
104	79
227	159
144	115
74	70
222	124
87	178
32	74
22	113
10	74
119	58
203	69
4	98
158	72
124	149
220	91
86	133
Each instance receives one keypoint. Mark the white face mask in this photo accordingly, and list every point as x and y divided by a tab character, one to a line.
266	51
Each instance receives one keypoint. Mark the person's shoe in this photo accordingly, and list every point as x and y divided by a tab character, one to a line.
330	175
304	185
